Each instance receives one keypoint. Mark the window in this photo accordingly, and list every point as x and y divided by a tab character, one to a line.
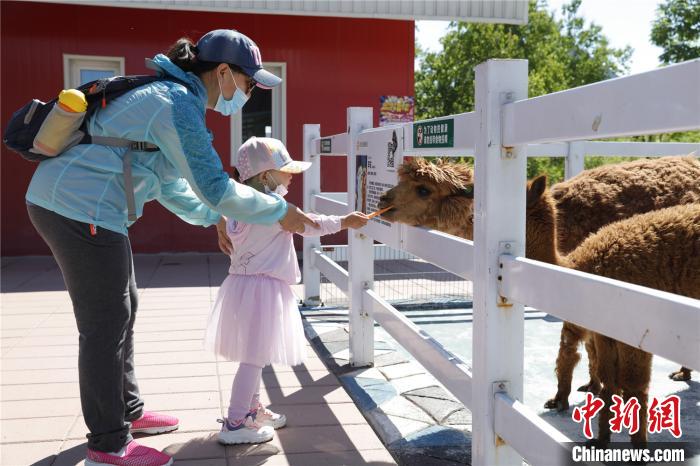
264	115
80	69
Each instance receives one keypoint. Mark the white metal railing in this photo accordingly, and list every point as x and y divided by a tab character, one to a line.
504	130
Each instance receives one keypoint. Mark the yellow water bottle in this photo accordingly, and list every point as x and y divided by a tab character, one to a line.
61	128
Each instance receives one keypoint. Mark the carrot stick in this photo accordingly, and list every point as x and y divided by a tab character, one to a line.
380	212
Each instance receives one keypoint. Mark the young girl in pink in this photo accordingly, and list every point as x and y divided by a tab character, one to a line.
255	319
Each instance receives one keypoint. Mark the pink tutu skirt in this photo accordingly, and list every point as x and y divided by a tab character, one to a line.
256	320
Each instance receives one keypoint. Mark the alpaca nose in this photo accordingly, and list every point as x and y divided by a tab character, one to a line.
385	200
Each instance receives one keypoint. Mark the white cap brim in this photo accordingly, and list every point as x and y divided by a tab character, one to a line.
295	166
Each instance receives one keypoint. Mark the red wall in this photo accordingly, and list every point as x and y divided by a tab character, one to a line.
332	63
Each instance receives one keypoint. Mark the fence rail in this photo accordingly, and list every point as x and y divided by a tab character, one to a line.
620	310
451	371
331	270
332	145
505	129
659	101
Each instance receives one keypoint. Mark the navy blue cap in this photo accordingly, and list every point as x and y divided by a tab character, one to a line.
229	46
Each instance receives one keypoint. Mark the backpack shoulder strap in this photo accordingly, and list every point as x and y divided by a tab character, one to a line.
126	166
106	90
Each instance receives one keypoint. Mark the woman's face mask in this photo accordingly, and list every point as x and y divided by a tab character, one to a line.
233	105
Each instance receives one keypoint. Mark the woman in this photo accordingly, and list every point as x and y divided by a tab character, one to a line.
78	204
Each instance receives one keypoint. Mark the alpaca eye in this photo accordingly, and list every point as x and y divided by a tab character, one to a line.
423	191
467	191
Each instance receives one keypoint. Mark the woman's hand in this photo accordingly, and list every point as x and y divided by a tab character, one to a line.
224	241
354	220
295	220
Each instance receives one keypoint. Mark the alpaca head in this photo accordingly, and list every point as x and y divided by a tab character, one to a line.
540	222
436	195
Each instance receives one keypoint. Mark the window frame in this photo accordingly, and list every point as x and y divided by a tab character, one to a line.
72	64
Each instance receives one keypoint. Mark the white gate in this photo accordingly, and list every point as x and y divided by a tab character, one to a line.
505	128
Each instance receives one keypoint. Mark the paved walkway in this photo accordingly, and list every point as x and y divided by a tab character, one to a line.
41	420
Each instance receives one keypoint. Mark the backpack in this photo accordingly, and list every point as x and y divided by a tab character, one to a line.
25	123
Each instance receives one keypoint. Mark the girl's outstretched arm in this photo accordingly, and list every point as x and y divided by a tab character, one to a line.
333	223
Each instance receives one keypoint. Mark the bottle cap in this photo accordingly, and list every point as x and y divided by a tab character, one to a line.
72	100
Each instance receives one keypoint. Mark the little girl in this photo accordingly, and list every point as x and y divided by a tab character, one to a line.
256	319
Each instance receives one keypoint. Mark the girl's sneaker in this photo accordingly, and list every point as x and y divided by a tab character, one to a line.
245	432
154	423
265	417
132	454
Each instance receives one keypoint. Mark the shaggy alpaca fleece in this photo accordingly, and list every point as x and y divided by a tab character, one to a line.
436	195
658	249
597	197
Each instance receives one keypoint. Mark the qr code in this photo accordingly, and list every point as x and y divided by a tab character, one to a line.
391	151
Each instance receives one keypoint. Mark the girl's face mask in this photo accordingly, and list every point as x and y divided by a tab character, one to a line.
278	189
233	105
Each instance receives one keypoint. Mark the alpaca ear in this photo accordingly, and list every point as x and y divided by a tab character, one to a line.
536	189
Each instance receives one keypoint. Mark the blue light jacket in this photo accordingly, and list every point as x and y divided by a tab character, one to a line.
86	183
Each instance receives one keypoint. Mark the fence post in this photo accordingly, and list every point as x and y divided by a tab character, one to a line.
574	162
312	185
500	175
360	254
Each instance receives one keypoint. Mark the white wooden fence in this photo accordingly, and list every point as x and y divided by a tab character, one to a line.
505	128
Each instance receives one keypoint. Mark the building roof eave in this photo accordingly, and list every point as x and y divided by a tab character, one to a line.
483	11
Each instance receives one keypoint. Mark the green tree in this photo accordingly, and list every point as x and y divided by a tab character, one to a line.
562	53
676	30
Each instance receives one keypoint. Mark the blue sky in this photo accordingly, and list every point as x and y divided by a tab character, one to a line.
624	22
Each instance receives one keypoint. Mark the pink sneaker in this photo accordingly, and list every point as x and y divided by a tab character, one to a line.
154	423
265	417
244	432
132	454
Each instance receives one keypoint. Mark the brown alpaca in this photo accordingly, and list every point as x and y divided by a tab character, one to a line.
435	195
600	196
658	249
438	196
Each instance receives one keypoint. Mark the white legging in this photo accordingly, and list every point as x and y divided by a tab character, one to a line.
245	392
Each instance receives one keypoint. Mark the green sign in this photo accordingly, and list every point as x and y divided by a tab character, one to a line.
434	134
326	146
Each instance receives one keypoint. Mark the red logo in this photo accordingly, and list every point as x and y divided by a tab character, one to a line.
587	412
663	415
666	415
626	415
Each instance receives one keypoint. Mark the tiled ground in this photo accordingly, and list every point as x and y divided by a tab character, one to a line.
41	420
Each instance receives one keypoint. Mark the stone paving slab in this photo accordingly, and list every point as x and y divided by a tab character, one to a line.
418	421
40	415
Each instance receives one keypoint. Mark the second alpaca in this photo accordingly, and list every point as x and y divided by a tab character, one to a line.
658	249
